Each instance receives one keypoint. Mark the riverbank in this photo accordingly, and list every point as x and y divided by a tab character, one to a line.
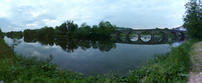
18	69
173	67
196	59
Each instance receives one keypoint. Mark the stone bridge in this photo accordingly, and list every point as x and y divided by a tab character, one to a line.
148	36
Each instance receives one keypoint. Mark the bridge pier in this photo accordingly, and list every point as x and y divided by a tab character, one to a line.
139	37
152	36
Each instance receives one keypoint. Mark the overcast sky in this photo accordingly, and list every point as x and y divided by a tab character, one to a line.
24	14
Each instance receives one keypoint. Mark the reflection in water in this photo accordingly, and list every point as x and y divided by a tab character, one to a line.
133	37
88	56
69	44
145	38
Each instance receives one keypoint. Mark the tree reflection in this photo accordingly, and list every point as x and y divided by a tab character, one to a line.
70	44
106	45
66	44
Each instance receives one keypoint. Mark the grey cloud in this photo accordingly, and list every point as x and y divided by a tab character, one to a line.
126	13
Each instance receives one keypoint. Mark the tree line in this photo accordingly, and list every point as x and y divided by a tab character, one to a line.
15	34
69	29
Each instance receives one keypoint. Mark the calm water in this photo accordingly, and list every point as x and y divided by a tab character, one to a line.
91	57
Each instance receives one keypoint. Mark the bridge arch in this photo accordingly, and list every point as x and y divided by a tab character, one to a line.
146	36
181	35
172	35
149	35
123	35
159	36
133	36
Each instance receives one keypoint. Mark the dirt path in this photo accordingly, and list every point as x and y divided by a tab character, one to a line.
195	75
1	81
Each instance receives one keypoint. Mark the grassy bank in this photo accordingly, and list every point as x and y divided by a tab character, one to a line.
16	69
173	67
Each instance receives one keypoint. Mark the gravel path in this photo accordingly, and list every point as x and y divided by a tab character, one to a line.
1	81
195	75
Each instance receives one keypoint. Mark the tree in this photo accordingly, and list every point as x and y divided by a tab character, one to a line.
94	31
67	28
45	32
105	29
62	27
46	35
15	34
84	31
30	35
1	34
166	28
193	19
71	27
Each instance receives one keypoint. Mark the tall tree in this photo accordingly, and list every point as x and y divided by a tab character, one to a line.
84	31
67	27
105	29
71	27
193	19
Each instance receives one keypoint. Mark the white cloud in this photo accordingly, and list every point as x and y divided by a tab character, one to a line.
4	12
35	24
50	22
126	13
35	14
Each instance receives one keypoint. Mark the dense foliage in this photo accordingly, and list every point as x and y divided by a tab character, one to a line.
1	34
44	35
15	34
71	30
193	19
67	28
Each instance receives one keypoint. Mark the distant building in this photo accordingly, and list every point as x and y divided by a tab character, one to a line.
123	28
180	28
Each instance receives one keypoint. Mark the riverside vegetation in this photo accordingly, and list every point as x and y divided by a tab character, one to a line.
173	67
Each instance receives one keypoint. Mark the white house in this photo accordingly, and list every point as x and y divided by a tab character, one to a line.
180	28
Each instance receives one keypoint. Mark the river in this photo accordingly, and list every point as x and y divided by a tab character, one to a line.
91	57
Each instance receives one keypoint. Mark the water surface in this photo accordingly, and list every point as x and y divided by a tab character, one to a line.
90	57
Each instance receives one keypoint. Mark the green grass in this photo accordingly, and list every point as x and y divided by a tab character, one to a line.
173	67
16	69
